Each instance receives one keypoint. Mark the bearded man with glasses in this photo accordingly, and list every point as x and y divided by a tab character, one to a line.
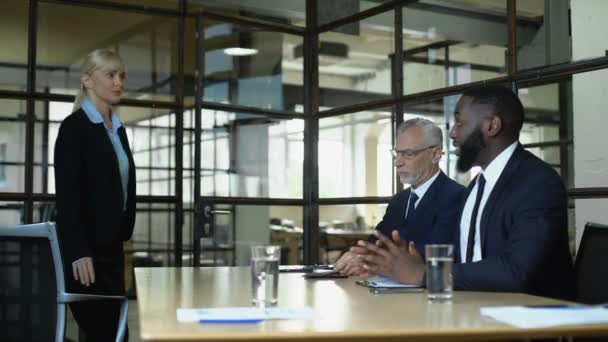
427	211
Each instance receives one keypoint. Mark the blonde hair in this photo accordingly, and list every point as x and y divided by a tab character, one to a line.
97	59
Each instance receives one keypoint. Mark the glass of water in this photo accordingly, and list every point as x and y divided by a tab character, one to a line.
265	274
439	260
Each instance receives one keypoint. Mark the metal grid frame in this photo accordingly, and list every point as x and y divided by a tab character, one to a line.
310	201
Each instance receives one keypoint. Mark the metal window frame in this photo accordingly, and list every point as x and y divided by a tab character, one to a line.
310	200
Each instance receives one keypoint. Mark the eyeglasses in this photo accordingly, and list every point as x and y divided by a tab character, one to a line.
409	154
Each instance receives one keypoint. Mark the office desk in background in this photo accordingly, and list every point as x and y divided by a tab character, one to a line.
348	234
289	239
331	240
344	310
338	241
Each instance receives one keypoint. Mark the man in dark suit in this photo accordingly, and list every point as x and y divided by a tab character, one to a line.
425	212
513	229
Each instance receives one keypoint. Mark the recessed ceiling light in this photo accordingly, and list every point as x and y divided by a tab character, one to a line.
237	51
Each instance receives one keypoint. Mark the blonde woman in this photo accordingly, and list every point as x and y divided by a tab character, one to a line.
95	186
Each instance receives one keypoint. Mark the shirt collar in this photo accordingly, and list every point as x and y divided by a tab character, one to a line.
421	190
95	116
494	169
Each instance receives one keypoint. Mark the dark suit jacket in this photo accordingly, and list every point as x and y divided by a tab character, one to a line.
90	217
524	234
435	219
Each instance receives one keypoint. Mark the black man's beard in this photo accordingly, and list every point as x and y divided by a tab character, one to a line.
469	150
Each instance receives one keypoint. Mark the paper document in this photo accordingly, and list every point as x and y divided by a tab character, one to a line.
383	281
546	316
243	314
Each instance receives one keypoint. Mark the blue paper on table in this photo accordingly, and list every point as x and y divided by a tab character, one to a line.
248	314
546	316
383	281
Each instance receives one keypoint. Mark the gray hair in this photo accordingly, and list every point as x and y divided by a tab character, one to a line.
97	59
432	133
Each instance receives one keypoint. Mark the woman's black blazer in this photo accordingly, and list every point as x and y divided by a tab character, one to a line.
90	216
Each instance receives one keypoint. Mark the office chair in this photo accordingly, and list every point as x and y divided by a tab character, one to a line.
591	280
32	286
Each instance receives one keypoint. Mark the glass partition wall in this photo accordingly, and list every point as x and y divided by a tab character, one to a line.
271	122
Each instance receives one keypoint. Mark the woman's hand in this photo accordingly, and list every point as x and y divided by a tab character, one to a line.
84	271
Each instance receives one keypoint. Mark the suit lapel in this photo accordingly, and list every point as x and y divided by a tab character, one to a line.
495	197
428	200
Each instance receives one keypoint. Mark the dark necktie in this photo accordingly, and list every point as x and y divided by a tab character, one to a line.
410	207
473	225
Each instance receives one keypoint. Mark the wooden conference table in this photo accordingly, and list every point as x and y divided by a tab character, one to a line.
345	311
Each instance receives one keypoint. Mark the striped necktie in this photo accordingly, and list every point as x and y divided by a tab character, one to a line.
473	225
409	211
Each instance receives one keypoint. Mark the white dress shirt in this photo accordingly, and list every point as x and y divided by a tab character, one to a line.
491	174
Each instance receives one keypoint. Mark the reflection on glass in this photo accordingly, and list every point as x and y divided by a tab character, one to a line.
250	155
354	155
355	68
588	27
251	67
14	36
151	134
445	47
285	12
239	227
341	225
147	44
152	243
545	33
256	225
12	145
529	9
2	165
542	120
11	213
537	133
542	115
44	212
549	154
164	4
352	217
48	119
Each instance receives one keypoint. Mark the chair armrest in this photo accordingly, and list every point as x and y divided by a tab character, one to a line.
81	297
122	322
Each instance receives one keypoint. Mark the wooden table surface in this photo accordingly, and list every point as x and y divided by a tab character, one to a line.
344	310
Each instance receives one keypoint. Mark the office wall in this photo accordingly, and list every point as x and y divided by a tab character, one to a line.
590	100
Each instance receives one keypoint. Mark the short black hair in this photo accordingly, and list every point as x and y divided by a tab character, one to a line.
504	102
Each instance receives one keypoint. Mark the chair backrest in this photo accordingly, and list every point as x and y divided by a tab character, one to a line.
30	278
591	277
